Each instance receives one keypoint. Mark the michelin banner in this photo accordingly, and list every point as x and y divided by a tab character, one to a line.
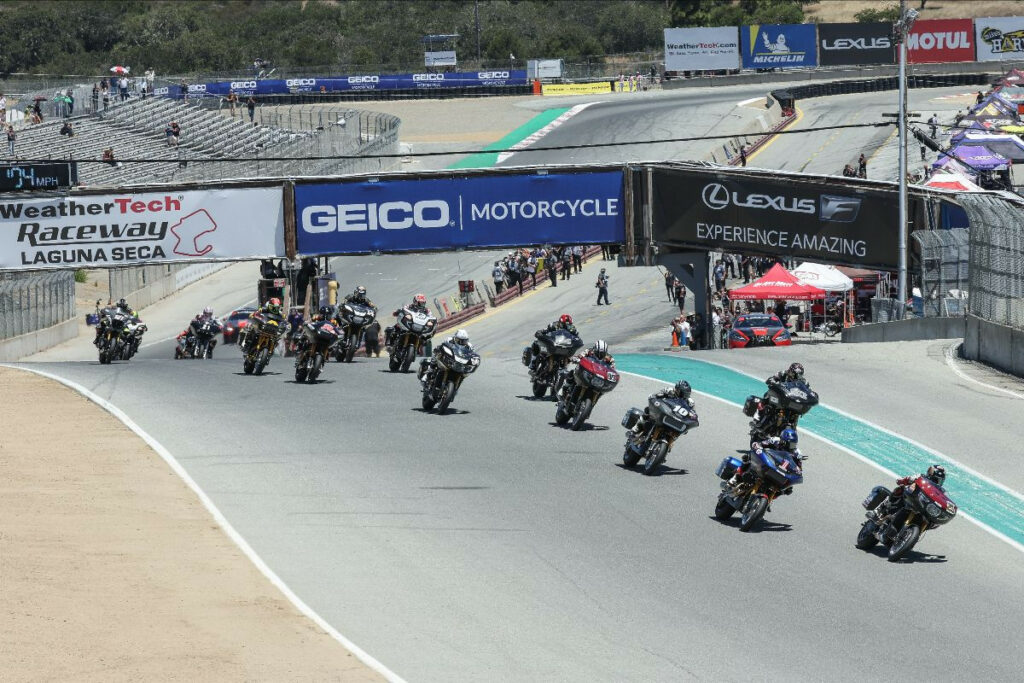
999	38
98	231
702	49
775	46
452	213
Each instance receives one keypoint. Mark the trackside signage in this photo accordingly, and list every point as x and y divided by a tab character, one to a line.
467	212
773	46
702	49
999	38
855	44
941	40
812	221
129	229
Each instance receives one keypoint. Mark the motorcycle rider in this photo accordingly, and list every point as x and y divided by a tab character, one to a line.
323	314
427	365
564	322
189	332
786	441
121	306
793	373
681	390
936	474
418	305
358	296
599	351
271	309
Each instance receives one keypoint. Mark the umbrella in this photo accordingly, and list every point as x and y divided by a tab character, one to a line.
120	69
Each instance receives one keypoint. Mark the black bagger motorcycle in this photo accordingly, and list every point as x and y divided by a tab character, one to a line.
441	381
314	347
112	336
407	338
548	356
353	319
782	405
667	419
201	342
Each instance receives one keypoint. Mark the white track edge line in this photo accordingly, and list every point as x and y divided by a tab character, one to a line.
981	525
233	534
954	366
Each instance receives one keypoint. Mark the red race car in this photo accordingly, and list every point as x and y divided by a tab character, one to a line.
758	329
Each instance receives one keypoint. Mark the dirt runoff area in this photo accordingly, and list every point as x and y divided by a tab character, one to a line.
112	570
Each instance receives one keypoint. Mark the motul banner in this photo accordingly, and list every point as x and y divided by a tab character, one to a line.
941	40
999	38
841	44
811	221
97	231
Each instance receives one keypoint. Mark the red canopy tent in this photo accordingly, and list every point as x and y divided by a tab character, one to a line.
777	283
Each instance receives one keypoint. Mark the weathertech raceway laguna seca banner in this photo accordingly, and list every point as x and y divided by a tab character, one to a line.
778	217
98	231
461	212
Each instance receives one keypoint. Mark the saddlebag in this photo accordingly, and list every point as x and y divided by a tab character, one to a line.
728	467
750	406
875	498
631	417
527	356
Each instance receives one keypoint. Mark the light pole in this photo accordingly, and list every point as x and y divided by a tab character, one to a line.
906	20
476	18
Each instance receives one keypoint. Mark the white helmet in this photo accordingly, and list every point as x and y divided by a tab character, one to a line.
461	338
601	348
207	311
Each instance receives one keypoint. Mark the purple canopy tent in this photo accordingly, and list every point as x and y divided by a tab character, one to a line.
978	157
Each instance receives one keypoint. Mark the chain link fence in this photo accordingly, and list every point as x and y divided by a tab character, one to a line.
996	276
35	301
943	271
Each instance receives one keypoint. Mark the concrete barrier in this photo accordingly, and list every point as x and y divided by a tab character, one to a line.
912	329
997	345
23	345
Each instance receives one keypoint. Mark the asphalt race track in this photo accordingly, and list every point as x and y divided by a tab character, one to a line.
489	544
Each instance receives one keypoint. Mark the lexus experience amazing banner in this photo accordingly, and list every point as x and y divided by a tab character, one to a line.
821	224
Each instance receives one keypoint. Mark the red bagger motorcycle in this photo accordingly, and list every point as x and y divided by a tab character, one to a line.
579	389
924	508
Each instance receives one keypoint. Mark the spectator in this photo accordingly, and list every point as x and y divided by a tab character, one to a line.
862	166
232	100
719	273
746	266
979	98
95	96
577	258
104	85
66	129
669	284
684	331
11	137
371	339
3	108
106	99
37	112
602	288
549	265
531	267
143	89
122	86
150	77
743	156
173	133
933	124
498	274
679	291
108	157
566	256
730	265
606	252
69	99
184	91
250	104
849	171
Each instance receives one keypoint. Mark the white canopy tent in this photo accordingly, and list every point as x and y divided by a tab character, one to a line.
823	277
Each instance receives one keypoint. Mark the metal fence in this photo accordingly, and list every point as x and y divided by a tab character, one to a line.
35	301
996	277
943	271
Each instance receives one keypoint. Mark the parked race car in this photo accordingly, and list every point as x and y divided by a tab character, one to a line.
758	329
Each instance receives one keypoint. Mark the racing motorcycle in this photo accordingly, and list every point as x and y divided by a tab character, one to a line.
769	474
133	337
782	405
411	331
926	507
112	338
259	350
441	380
548	356
353	319
580	388
201	342
318	336
668	419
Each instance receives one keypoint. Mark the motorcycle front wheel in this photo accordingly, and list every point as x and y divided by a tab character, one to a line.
582	411
831	329
396	358
753	511
428	401
561	416
866	536
314	372
905	541
539	389
655	456
248	366
261	360
447	394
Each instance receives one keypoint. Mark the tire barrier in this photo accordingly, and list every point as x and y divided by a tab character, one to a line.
460	317
801	92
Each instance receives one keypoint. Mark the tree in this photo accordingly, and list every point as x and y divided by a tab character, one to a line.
886	14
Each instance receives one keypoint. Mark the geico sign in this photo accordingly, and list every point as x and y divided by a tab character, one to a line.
856	44
945	40
428	77
716	196
427	213
243	85
491	75
197	88
364	79
293	82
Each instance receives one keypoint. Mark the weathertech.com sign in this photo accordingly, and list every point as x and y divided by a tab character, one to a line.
89	231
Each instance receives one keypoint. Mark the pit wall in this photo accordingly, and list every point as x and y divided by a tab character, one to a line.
997	345
912	329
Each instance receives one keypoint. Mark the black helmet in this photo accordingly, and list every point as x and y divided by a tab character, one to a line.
326	311
360	291
937	473
683	389
121	303
796	371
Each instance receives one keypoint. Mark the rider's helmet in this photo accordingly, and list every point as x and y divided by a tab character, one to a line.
420	300
461	338
207	312
274	306
796	371
360	292
601	349
788	438
324	313
937	473
121	303
682	389
566	319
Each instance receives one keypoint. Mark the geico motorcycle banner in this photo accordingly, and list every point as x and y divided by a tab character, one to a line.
779	46
941	40
855	44
97	231
702	49
999	38
468	212
815	222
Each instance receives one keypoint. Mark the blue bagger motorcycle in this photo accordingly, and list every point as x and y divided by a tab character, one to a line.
769	474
